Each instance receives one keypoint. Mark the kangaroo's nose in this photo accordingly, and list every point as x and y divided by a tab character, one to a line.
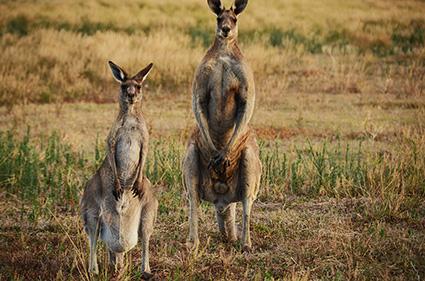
225	29
131	91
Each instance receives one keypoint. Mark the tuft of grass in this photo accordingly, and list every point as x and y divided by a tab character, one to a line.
163	166
408	38
19	25
342	171
202	35
45	177
22	25
292	38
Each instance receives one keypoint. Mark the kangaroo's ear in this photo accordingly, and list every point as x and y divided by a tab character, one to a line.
117	72
141	76
240	5
215	6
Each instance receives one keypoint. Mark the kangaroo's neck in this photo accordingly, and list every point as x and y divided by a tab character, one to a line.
227	46
133	110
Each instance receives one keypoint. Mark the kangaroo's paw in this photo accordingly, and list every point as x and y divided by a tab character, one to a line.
192	245
147	275
247	249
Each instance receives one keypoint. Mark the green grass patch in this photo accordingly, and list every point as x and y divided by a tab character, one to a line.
285	38
201	35
21	25
50	175
47	176
403	38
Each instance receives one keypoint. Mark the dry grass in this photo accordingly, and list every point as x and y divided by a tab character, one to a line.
304	227
312	239
340	117
325	46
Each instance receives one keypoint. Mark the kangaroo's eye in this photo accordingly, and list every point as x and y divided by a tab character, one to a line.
138	87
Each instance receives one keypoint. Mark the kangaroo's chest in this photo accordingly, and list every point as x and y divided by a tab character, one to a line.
129	140
224	87
223	95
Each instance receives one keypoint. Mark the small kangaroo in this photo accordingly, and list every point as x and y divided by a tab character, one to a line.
222	162
118	202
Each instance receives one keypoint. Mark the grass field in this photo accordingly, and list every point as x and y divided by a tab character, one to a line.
340	118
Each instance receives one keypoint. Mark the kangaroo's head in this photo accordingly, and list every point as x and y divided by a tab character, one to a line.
131	87
227	28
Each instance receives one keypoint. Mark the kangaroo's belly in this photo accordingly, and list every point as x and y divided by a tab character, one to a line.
127	156
120	222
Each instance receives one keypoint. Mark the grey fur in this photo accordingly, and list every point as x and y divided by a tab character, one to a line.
118	201
223	98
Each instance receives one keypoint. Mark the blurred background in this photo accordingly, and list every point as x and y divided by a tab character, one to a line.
340	118
57	50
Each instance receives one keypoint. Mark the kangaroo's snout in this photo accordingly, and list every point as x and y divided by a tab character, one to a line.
131	91
225	29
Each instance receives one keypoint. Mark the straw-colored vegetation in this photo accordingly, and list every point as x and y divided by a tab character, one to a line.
56	51
340	117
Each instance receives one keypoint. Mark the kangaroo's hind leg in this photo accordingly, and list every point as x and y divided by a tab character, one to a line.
91	226
249	181
116	261
191	181
147	221
226	222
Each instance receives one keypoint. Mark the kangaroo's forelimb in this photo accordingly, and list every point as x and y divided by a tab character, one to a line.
200	107
137	186
112	162
245	107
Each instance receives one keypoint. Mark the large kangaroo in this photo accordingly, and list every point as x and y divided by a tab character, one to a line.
118	198
222	162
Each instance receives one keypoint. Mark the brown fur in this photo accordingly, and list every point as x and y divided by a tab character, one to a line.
118	202
222	163
228	174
